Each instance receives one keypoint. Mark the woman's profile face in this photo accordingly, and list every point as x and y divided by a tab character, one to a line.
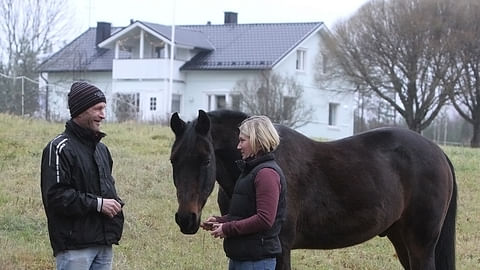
244	146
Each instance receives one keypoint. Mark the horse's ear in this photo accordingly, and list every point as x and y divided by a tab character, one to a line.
203	123
177	125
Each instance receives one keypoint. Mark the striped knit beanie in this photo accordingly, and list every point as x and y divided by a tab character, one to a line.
83	96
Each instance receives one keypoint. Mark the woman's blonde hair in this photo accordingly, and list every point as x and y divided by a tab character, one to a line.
261	133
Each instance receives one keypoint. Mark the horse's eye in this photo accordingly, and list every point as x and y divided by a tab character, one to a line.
206	162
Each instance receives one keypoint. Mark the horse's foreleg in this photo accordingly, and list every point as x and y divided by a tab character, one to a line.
223	201
287	238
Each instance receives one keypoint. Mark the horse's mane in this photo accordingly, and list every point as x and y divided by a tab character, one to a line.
231	118
218	116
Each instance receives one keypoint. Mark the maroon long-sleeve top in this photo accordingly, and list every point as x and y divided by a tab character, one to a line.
267	192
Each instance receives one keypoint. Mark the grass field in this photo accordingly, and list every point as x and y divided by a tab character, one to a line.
151	238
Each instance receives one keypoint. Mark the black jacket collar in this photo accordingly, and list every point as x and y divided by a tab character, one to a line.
85	135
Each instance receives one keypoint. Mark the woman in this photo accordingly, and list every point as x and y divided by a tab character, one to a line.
257	207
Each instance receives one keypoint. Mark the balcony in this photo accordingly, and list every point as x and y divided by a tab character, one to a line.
152	69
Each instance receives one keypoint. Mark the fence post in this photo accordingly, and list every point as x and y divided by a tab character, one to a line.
46	104
23	96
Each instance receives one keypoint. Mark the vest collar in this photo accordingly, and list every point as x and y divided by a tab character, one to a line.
250	163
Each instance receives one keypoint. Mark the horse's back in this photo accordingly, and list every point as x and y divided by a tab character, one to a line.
364	184
404	159
400	148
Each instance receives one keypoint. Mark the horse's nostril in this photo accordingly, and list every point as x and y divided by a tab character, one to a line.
182	220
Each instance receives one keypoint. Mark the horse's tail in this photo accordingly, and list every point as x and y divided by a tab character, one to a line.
445	250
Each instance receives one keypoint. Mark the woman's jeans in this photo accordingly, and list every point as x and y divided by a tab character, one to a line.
265	264
94	258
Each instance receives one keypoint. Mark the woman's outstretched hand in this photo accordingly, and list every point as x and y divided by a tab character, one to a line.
208	224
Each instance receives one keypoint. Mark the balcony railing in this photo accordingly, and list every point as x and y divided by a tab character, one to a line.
146	69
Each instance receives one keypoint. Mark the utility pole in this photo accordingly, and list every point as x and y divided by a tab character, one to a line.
172	52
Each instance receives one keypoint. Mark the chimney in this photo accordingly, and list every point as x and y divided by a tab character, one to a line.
230	17
103	31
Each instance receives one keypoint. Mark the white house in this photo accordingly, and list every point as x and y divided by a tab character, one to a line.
133	66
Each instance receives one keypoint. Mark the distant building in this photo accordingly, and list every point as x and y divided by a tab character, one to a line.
132	65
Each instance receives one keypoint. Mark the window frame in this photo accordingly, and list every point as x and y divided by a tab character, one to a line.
300	60
333	114
153	104
176	98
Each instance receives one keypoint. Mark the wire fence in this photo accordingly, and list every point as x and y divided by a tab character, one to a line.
13	92
24	96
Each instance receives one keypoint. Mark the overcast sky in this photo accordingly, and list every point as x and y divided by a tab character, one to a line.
119	12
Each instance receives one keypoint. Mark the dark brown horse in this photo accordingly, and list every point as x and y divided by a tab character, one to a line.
388	182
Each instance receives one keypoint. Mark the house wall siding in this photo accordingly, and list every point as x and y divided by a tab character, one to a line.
59	84
319	98
150	89
200	84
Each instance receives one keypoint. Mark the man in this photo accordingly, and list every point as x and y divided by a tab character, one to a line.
83	209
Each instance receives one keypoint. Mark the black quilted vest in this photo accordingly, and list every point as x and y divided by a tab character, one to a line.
265	244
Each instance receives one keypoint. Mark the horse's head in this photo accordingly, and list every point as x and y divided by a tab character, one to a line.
193	162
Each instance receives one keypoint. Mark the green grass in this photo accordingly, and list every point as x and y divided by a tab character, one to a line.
151	238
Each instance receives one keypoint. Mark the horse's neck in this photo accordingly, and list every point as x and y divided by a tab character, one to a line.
227	170
226	153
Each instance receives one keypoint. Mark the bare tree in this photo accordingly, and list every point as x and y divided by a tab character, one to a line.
31	26
28	29
466	98
372	112
398	50
278	97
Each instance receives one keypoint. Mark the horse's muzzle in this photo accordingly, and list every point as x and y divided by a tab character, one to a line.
188	222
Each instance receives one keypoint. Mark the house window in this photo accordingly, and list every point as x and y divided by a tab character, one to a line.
235	101
153	104
288	106
221	101
158	52
217	102
300	64
127	106
324	63
176	101
125	52
332	114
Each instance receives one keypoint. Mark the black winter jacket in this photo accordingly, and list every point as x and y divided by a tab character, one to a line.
76	170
